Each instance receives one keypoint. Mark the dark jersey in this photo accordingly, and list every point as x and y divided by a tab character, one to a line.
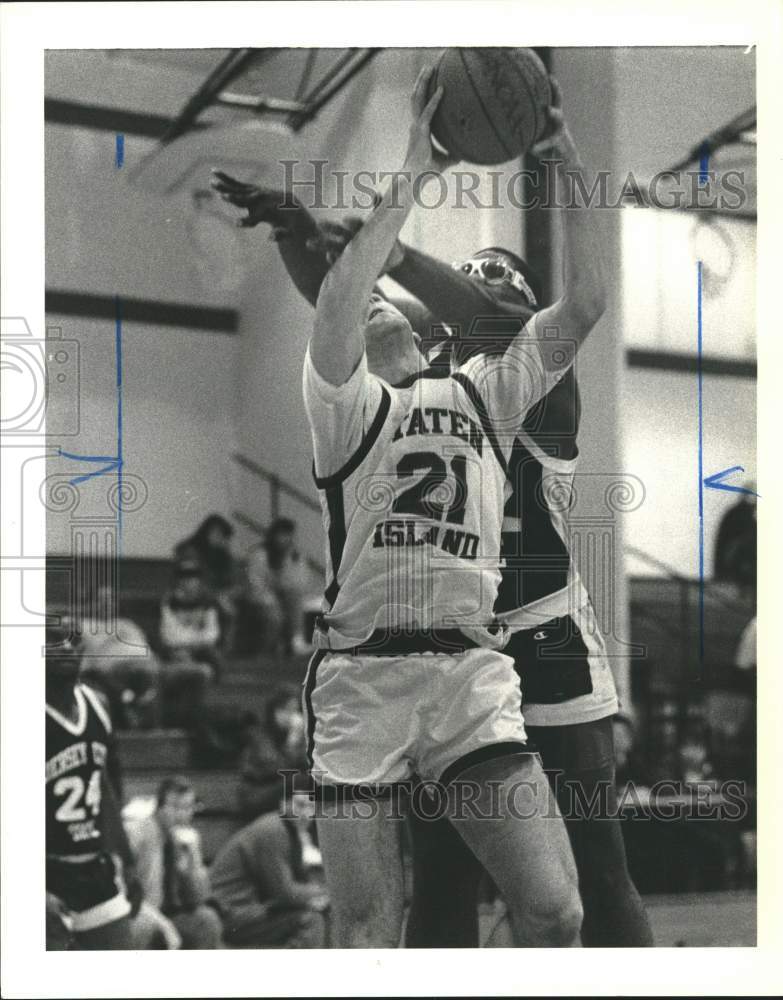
76	755
540	580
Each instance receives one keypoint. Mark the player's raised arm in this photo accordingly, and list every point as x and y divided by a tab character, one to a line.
540	356
294	229
583	300
341	312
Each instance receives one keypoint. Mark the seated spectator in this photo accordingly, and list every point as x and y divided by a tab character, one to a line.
174	879
189	633
275	745
695	768
735	543
208	551
118	662
277	580
261	883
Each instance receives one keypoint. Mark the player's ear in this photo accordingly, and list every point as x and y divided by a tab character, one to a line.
417	338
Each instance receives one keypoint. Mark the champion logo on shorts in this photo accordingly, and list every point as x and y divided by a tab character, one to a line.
540	635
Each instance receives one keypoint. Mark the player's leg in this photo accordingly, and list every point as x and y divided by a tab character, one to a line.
361	844
200	929
114	936
582	759
98	906
446	876
505	811
358	712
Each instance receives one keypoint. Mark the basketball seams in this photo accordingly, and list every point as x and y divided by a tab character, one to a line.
507	94
495	102
482	105
522	69
536	80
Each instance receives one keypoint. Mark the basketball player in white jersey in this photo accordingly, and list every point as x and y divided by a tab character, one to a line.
567	685
395	692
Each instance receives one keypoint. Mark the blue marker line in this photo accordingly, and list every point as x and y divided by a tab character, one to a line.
118	361
716	482
86	458
701	463
119	150
704	161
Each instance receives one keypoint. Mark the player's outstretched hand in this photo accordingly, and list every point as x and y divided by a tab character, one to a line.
261	204
422	154
556	137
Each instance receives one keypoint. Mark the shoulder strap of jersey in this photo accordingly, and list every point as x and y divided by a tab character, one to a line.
486	423
98	706
567	466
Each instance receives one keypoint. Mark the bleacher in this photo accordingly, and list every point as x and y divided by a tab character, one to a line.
147	756
664	623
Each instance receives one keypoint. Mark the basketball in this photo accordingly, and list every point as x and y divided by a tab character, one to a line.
494	104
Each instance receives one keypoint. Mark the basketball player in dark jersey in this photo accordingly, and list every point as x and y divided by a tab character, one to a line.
567	685
83	823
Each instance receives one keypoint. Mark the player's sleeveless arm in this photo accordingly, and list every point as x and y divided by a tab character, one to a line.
583	301
509	384
113	829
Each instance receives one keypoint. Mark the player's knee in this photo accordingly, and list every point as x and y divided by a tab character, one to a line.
209	928
606	884
565	931
556	923
369	922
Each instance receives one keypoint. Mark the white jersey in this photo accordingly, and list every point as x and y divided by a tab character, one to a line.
413	479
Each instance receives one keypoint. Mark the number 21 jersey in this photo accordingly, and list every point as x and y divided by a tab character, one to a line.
412	479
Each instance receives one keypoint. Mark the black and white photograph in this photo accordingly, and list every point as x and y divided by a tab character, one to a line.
384	500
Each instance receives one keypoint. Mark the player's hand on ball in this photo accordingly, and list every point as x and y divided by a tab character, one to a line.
422	155
557	137
261	204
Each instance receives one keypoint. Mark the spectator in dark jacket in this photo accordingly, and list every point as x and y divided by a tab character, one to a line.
735	545
261	881
277	582
275	745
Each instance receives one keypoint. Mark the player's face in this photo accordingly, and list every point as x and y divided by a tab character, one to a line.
217	538
63	663
383	321
178	809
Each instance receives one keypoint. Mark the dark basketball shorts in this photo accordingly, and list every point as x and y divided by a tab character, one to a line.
564	671
91	889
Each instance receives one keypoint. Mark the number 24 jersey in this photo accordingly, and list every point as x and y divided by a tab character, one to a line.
75	764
